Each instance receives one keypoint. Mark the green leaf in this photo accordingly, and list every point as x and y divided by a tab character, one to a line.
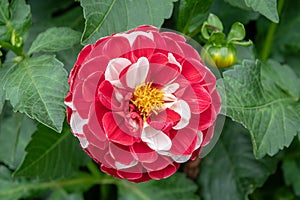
110	16
189	10
237	32
55	39
4	16
15	16
20	16
230	171
268	8
175	187
266	107
7	186
59	194
37	86
286	38
226	12
291	169
51	155
15	132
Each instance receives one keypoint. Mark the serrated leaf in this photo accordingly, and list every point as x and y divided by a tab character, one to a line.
268	8
189	10
230	171
263	107
55	39
51	155
110	16
15	132
37	86
175	187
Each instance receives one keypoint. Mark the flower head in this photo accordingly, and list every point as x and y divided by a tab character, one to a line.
141	102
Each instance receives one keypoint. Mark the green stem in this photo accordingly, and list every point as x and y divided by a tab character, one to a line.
73	182
17	50
93	168
194	32
265	53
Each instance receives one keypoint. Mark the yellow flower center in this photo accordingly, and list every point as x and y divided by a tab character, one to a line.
147	99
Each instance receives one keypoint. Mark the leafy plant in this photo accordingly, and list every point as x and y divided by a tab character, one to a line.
257	154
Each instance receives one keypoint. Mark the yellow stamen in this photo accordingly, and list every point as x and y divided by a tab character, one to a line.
147	99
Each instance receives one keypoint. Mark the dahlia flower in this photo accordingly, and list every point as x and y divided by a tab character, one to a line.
141	102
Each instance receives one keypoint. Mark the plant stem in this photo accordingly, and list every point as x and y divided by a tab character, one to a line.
265	53
72	182
93	168
16	50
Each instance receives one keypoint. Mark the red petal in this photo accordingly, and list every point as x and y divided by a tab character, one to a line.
160	163
144	28
82	106
162	74
90	86
197	97
96	153
193	70
121	153
92	139
116	47
83	54
93	65
184	142
143	153
164	173
145	177
189	51
110	171
143	46
160	42
159	58
174	36
106	94
115	129
174	48
164	120
131	173
207	135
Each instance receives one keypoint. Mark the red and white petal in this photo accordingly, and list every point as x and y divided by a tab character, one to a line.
143	153
171	88
173	60
160	163
182	108
131	37
122	156
77	123
84	143
114	68
156	139
137	73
